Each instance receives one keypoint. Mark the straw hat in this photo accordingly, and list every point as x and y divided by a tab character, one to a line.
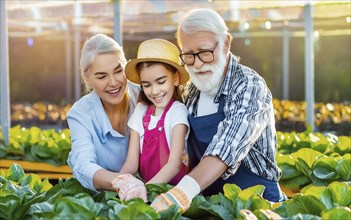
157	50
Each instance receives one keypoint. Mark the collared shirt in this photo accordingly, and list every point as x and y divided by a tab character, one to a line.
247	135
95	144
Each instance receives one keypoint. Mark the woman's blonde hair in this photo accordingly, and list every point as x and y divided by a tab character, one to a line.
98	44
103	44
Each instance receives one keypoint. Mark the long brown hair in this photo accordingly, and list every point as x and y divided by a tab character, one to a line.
177	95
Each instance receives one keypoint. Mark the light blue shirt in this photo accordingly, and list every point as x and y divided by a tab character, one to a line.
95	144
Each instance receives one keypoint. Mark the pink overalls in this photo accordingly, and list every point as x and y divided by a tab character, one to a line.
155	151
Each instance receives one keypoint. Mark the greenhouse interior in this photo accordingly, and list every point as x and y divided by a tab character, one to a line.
302	50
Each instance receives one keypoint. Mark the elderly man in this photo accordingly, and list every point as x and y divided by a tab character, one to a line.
233	136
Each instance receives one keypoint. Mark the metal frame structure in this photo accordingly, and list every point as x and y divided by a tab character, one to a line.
4	74
74	20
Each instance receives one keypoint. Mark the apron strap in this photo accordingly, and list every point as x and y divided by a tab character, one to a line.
221	103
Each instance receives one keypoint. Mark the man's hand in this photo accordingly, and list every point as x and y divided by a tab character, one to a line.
181	195
174	196
129	187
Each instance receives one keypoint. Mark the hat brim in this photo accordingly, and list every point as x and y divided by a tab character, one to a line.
133	76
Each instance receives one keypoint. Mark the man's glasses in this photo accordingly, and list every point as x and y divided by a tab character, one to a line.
206	56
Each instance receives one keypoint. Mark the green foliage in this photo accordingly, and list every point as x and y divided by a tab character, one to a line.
50	146
18	193
290	142
309	157
27	197
344	167
319	162
37	145
304	204
156	189
318	200
132	209
337	213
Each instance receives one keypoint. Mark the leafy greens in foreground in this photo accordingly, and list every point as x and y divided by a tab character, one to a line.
28	197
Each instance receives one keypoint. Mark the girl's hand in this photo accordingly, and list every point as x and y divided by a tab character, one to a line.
129	187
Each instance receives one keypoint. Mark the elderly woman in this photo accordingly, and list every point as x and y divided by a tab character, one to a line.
98	121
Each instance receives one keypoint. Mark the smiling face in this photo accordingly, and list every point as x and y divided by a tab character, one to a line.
107	78
207	77
158	84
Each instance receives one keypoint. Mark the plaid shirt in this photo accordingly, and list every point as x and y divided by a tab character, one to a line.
247	135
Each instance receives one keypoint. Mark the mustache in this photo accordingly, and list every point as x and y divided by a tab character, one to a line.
203	68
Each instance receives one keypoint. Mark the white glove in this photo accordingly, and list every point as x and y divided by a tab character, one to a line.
129	187
181	196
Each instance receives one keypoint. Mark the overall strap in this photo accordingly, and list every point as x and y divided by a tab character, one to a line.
160	123
147	117
150	110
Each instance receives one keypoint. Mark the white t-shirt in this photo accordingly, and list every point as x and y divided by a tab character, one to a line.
206	106
177	114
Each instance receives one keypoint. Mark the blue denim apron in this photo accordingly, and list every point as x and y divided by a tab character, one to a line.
203	128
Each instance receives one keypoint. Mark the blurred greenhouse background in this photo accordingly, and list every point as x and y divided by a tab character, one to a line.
301	48
45	37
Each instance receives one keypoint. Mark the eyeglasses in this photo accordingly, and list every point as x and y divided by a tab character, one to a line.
206	56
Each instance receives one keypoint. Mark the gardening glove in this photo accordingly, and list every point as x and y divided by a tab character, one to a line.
180	195
129	187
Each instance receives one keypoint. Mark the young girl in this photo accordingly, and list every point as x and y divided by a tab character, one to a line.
159	124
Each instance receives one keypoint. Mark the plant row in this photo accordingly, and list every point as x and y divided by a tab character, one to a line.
304	158
289	115
41	145
328	144
37	145
335	113
310	157
28	197
309	166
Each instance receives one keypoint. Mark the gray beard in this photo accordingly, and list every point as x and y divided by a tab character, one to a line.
209	84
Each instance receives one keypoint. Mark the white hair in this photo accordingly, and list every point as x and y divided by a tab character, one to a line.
203	19
99	44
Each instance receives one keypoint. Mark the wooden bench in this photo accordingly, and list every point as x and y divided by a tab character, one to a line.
44	170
